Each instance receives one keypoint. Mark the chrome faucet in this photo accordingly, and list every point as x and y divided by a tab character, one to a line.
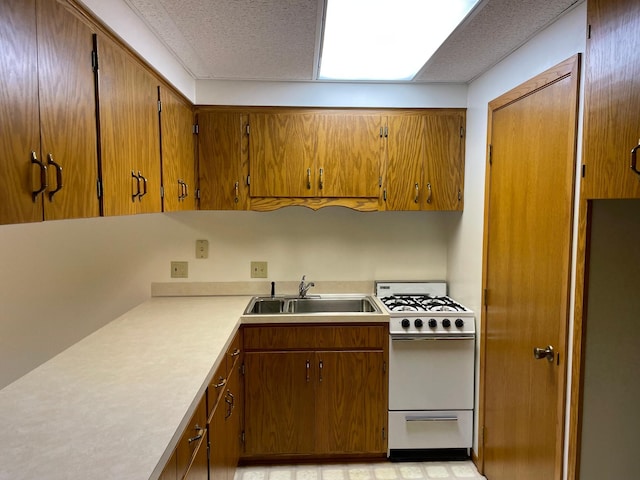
303	288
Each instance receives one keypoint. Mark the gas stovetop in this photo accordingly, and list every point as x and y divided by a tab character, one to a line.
423	309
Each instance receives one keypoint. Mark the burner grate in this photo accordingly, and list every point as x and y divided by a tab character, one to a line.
421	303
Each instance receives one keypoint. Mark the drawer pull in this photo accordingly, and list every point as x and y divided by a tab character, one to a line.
221	383
429	418
235	353
634	158
200	431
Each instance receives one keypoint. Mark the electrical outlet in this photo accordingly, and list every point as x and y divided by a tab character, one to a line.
202	248
179	269
258	269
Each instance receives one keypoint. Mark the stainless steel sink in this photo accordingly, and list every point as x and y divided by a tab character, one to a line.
325	305
312	304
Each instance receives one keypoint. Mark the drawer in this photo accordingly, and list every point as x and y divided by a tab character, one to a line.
279	337
352	337
430	429
325	337
193	435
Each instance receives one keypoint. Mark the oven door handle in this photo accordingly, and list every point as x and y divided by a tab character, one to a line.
464	336
429	418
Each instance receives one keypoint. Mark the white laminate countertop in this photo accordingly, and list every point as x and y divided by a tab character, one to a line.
113	405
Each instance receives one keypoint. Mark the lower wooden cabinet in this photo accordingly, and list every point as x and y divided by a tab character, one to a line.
315	391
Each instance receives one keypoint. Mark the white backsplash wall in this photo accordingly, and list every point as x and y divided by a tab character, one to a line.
62	280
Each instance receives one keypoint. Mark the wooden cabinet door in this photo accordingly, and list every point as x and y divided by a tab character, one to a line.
178	150
351	402
444	161
19	131
404	187
218	443
612	100
279	403
129	133
282	152
222	160
67	113
199	467
349	155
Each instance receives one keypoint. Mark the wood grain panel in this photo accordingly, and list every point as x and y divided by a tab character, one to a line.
282	147
351	402
178	153
349	152
129	131
405	160
279	337
612	99
350	337
220	156
67	111
280	403
19	122
267	204
444	162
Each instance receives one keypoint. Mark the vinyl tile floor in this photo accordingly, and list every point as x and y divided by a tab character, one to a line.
362	471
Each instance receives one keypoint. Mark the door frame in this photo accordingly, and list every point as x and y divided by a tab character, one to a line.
568	68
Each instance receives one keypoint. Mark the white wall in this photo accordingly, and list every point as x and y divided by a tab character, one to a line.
62	280
559	41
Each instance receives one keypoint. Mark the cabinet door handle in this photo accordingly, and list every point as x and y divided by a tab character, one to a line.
321	183
58	168
429	194
180	189
634	158
144	184
308	179
186	189
135	194
43	176
321	366
417	193
237	198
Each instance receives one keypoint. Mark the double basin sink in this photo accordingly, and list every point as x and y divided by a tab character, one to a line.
311	304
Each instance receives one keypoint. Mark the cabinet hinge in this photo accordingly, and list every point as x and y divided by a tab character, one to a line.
198	193
384	195
459	195
384	368
490	154
384	433
242	438
208	450
99	188
248	129
461	132
159	106
94	60
485	293
161	191
248	180
589	32
196	129
242	369
584	170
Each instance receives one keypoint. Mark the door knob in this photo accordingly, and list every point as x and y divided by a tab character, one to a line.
541	353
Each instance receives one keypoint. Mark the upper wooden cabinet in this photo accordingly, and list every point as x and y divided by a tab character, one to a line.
425	160
49	167
222	159
611	143
129	132
178	150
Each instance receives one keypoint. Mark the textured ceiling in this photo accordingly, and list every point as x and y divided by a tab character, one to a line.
279	40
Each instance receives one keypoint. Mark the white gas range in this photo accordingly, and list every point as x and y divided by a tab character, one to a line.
431	371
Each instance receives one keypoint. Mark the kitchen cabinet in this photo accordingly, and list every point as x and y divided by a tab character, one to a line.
49	167
177	152
611	142
425	160
223	159
315	390
129	132
225	414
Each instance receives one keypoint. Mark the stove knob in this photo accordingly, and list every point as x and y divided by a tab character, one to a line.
459	323
433	323
418	323
446	323
405	323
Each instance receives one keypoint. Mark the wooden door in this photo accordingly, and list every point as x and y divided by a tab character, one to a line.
612	100
444	161
19	123
279	403
349	155
177	152
218	442
405	159
67	113
222	160
351	406
282	152
527	264
129	133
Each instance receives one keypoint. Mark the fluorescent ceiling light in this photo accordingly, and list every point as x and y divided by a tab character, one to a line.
385	39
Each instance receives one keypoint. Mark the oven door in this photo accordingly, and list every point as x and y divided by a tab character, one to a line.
431	374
